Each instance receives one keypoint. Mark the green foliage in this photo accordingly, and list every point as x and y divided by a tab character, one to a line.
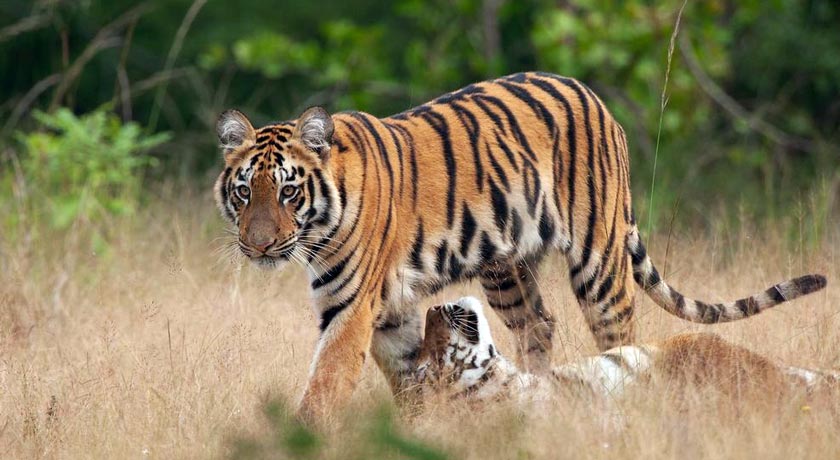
779	60
83	168
786	44
287	438
272	54
347	66
607	44
386	442
448	45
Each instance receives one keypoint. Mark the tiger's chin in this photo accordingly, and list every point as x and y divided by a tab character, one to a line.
269	262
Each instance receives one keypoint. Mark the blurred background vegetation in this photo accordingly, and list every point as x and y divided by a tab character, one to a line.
103	101
107	113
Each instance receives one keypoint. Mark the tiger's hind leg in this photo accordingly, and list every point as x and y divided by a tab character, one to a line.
513	292
605	291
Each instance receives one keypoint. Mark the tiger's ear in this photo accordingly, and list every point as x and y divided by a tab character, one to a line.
315	130
234	130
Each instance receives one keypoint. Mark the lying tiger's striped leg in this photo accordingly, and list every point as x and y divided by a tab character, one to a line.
605	291
396	345
513	292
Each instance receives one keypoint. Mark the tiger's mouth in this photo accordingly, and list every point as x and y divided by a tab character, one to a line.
271	261
463	320
284	254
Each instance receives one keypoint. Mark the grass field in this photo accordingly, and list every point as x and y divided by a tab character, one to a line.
163	346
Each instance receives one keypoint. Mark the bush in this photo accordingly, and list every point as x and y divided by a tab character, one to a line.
379	438
79	169
777	62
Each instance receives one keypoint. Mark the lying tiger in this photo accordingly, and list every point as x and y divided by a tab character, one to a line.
459	359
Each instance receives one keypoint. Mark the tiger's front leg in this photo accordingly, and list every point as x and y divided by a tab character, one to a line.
339	358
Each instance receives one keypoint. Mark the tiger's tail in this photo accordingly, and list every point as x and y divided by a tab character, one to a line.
647	277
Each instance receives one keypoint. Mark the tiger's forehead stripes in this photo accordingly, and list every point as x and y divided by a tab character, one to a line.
272	154
274	137
292	173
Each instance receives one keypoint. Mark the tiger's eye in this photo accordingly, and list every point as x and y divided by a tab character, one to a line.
243	191
288	191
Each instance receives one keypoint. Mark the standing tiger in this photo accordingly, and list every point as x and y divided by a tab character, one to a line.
478	183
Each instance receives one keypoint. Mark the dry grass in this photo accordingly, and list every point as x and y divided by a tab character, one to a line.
162	348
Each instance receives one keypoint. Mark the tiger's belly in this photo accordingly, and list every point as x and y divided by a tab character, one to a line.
493	228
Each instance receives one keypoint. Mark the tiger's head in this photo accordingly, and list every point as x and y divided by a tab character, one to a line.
277	187
458	349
